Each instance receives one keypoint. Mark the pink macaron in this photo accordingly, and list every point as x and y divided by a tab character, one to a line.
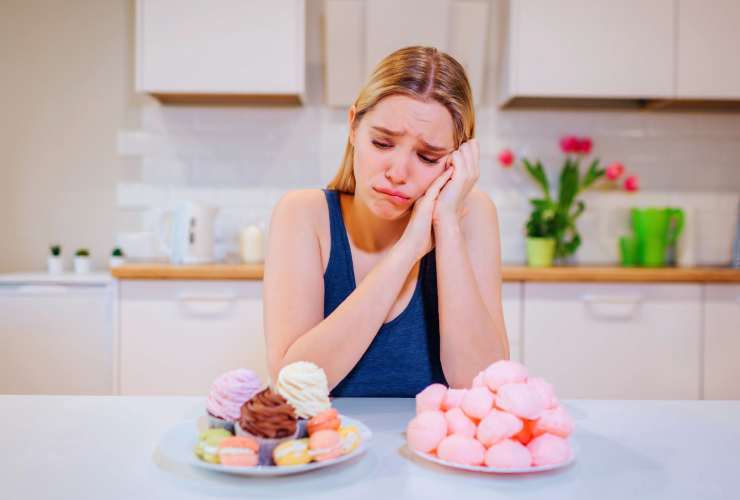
426	430
459	423
461	450
545	390
555	421
504	372
477	402
430	399
453	398
497	426
325	445
521	399
508	454
548	449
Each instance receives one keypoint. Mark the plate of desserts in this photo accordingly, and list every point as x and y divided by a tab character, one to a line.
506	423
252	430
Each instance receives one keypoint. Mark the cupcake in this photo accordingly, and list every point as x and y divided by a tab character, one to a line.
228	393
269	419
305	387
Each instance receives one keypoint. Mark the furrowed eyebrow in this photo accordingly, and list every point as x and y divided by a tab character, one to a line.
427	146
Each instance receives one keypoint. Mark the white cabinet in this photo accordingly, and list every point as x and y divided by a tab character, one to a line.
722	342
589	48
615	341
176	337
228	47
708	42
511	299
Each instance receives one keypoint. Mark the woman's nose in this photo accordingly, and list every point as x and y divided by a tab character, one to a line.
398	170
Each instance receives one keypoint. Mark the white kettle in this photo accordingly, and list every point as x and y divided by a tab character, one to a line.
188	238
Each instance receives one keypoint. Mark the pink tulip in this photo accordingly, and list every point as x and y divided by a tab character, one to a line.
506	158
570	144
614	171
632	183
584	145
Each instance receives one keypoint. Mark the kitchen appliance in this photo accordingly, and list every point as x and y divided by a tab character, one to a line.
187	233
56	333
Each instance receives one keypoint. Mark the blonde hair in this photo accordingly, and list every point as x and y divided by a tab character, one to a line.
423	73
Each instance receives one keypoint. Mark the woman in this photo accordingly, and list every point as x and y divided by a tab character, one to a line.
390	279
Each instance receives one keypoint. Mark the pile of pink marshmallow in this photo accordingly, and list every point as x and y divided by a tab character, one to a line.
505	420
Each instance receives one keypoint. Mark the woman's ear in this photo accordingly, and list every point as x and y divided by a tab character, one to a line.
351	115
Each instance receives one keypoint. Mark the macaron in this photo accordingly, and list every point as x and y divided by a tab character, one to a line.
555	421
350	439
477	402
497	426
504	372
239	451
549	449
461	450
521	399
293	452
208	441
426	430
508	454
325	445
459	423
430	399
326	420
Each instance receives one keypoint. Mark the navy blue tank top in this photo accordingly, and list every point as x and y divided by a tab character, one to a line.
403	358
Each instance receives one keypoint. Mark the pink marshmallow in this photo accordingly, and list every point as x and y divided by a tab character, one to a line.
545	390
477	402
504	372
497	426
461	450
426	430
508	454
555	421
430	399
521	399
453	398
479	380
549	450
459	423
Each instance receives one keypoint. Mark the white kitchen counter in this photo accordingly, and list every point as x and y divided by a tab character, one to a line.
67	278
106	447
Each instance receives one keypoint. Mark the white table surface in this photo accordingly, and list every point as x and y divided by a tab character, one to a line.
106	447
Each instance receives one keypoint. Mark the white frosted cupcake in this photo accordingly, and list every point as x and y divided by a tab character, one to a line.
305	386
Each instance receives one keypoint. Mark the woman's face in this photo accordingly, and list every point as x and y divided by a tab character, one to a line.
401	146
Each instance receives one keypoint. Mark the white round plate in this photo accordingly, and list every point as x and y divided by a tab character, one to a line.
497	470
179	442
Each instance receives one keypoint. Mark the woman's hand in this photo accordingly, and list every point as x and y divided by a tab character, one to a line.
465	166
417	237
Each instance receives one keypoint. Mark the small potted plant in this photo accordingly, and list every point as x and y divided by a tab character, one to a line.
54	262
116	258
82	261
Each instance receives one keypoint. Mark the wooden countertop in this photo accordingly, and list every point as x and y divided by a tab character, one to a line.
510	273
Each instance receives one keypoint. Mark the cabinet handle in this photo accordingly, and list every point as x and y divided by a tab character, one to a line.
612	307
200	304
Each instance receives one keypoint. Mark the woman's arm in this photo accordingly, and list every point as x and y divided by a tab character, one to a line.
472	331
295	329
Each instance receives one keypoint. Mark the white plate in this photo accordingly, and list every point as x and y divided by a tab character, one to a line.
497	470
179	442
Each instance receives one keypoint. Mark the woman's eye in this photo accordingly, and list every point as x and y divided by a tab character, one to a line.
430	161
382	145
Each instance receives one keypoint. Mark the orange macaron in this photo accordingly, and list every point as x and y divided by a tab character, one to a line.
240	451
326	420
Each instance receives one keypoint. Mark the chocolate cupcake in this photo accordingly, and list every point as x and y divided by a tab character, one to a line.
269	418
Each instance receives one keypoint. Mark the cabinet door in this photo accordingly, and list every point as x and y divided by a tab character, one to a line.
708	41
591	48
177	337
722	342
615	341
229	46
511	298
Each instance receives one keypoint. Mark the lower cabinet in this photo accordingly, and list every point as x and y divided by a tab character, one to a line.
722	342
615	341
176	337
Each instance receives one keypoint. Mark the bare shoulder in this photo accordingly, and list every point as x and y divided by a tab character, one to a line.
481	211
304	203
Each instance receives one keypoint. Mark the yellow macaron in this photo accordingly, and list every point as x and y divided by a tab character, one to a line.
293	452
350	439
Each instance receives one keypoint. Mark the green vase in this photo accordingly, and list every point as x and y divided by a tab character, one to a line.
540	252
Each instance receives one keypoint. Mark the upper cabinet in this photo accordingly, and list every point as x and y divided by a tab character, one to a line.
589	48
225	51
708	41
360	33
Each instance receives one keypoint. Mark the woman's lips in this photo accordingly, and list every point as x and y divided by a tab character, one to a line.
393	195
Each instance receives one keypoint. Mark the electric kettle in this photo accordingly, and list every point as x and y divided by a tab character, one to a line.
186	233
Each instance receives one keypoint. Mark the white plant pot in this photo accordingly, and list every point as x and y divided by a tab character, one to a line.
55	264
82	265
116	261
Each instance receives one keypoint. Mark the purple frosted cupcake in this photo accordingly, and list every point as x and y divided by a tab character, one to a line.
228	393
